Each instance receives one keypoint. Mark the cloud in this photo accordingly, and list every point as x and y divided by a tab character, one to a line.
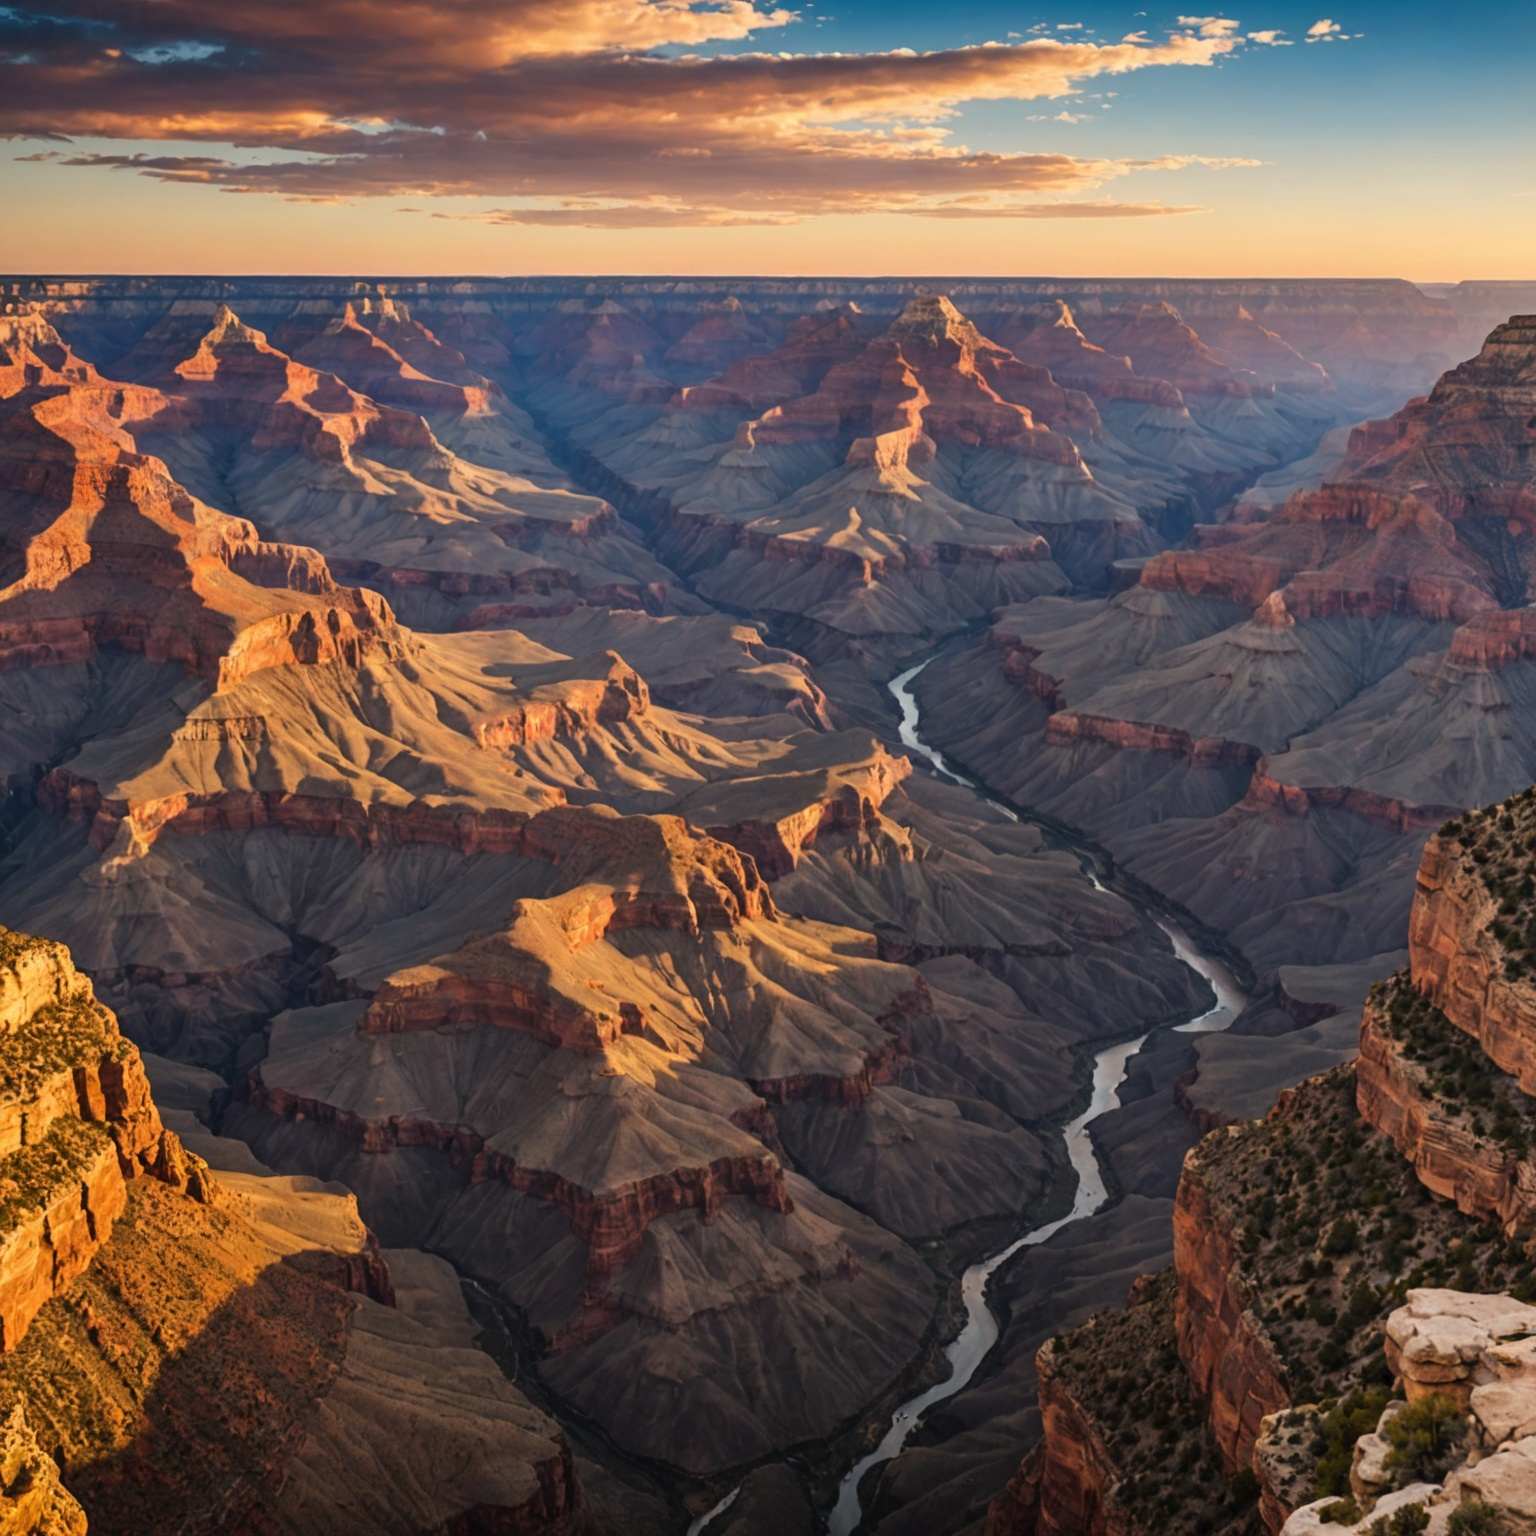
1327	30
1272	37
535	103
1210	26
621	216
1096	210
442	35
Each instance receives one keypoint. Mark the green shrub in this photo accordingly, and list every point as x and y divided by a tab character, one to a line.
1408	1521
1477	1519
1342	1425
1425	1438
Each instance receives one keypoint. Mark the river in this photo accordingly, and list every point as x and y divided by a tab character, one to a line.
979	1333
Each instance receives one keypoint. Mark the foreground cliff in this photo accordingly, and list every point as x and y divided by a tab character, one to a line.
201	1351
1297	1241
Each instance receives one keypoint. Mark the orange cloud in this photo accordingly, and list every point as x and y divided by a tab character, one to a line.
542	102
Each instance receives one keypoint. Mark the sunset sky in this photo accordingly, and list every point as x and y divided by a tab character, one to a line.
1373	137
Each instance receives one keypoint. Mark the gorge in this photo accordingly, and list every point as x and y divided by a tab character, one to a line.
689	863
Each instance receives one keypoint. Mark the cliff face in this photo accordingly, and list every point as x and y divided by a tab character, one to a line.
1466	955
1075	1488
1232	1362
77	1123
1476	1153
1446	1050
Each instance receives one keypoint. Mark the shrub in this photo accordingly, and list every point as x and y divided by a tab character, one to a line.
1343	1238
1243	1490
1408	1521
1341	1512
1343	1424
1477	1519
1424	1438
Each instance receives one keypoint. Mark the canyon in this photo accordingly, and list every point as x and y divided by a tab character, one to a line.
657	881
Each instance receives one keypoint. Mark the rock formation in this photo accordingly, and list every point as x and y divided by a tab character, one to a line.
1288	687
197	1347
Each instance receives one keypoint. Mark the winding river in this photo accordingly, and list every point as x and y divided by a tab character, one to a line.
980	1330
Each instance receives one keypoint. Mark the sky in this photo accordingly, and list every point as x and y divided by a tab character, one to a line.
855	137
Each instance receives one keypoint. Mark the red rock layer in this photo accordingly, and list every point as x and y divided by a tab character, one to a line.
612	1223
568	707
721	335
1266	793
815	344
628	873
1457	962
1495	639
1018	665
237	382
1162	346
1070	726
373	825
425	999
1483	1177
114	553
350	350
1381	537
1346	550
1049	337
1467	447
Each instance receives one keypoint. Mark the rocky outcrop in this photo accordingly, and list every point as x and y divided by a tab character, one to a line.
33	1499
77	1123
1460	1351
568	707
832	786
